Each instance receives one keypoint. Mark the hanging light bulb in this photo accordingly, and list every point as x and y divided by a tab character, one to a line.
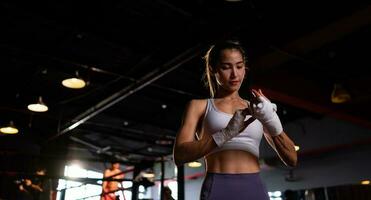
10	129
195	164
38	107
75	82
339	94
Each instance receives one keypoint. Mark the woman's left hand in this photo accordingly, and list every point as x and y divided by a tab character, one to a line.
265	111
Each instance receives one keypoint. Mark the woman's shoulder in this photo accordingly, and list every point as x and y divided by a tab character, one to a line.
197	104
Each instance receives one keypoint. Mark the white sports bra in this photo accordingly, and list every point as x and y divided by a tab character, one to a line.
248	140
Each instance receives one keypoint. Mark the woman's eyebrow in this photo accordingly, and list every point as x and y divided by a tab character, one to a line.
230	62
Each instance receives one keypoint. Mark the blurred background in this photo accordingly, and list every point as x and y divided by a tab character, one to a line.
133	65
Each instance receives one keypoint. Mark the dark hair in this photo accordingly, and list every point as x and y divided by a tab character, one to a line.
212	58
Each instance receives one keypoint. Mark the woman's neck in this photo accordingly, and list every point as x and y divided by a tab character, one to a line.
227	95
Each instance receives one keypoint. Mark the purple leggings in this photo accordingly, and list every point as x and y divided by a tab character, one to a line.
220	186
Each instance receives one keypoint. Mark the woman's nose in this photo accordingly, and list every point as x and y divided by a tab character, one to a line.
234	72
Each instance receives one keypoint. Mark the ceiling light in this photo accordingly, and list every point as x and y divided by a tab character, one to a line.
195	164
39	106
10	129
74	82
339	94
365	182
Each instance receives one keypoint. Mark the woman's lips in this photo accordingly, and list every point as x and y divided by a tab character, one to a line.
234	82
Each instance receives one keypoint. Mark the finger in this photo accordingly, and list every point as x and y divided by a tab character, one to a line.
258	98
254	98
258	92
255	93
261	93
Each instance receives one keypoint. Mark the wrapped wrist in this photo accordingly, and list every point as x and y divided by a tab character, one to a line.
231	130
273	125
220	138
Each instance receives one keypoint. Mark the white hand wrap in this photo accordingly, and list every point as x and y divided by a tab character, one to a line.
231	130
265	112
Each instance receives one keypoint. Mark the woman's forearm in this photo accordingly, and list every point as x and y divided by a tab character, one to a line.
286	149
190	151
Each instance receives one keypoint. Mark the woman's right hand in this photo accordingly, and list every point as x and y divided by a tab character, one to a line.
236	125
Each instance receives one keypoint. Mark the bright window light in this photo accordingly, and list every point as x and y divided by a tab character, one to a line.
173	185
75	171
80	190
141	188
276	195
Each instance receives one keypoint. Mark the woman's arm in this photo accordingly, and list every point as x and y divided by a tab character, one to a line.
284	147
265	112
186	147
105	182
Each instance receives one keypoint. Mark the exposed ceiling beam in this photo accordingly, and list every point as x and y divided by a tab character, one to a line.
99	150
128	136
131	89
314	40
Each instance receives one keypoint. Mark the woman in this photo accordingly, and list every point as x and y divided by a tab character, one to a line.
110	187
226	130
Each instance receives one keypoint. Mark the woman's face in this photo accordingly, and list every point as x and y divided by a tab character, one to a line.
230	70
116	165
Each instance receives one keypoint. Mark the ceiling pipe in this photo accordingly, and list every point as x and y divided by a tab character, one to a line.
99	150
146	144
140	133
131	89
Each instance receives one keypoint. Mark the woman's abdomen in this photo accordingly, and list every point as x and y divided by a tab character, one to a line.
232	161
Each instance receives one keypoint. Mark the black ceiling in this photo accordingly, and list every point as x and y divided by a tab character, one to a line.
143	63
